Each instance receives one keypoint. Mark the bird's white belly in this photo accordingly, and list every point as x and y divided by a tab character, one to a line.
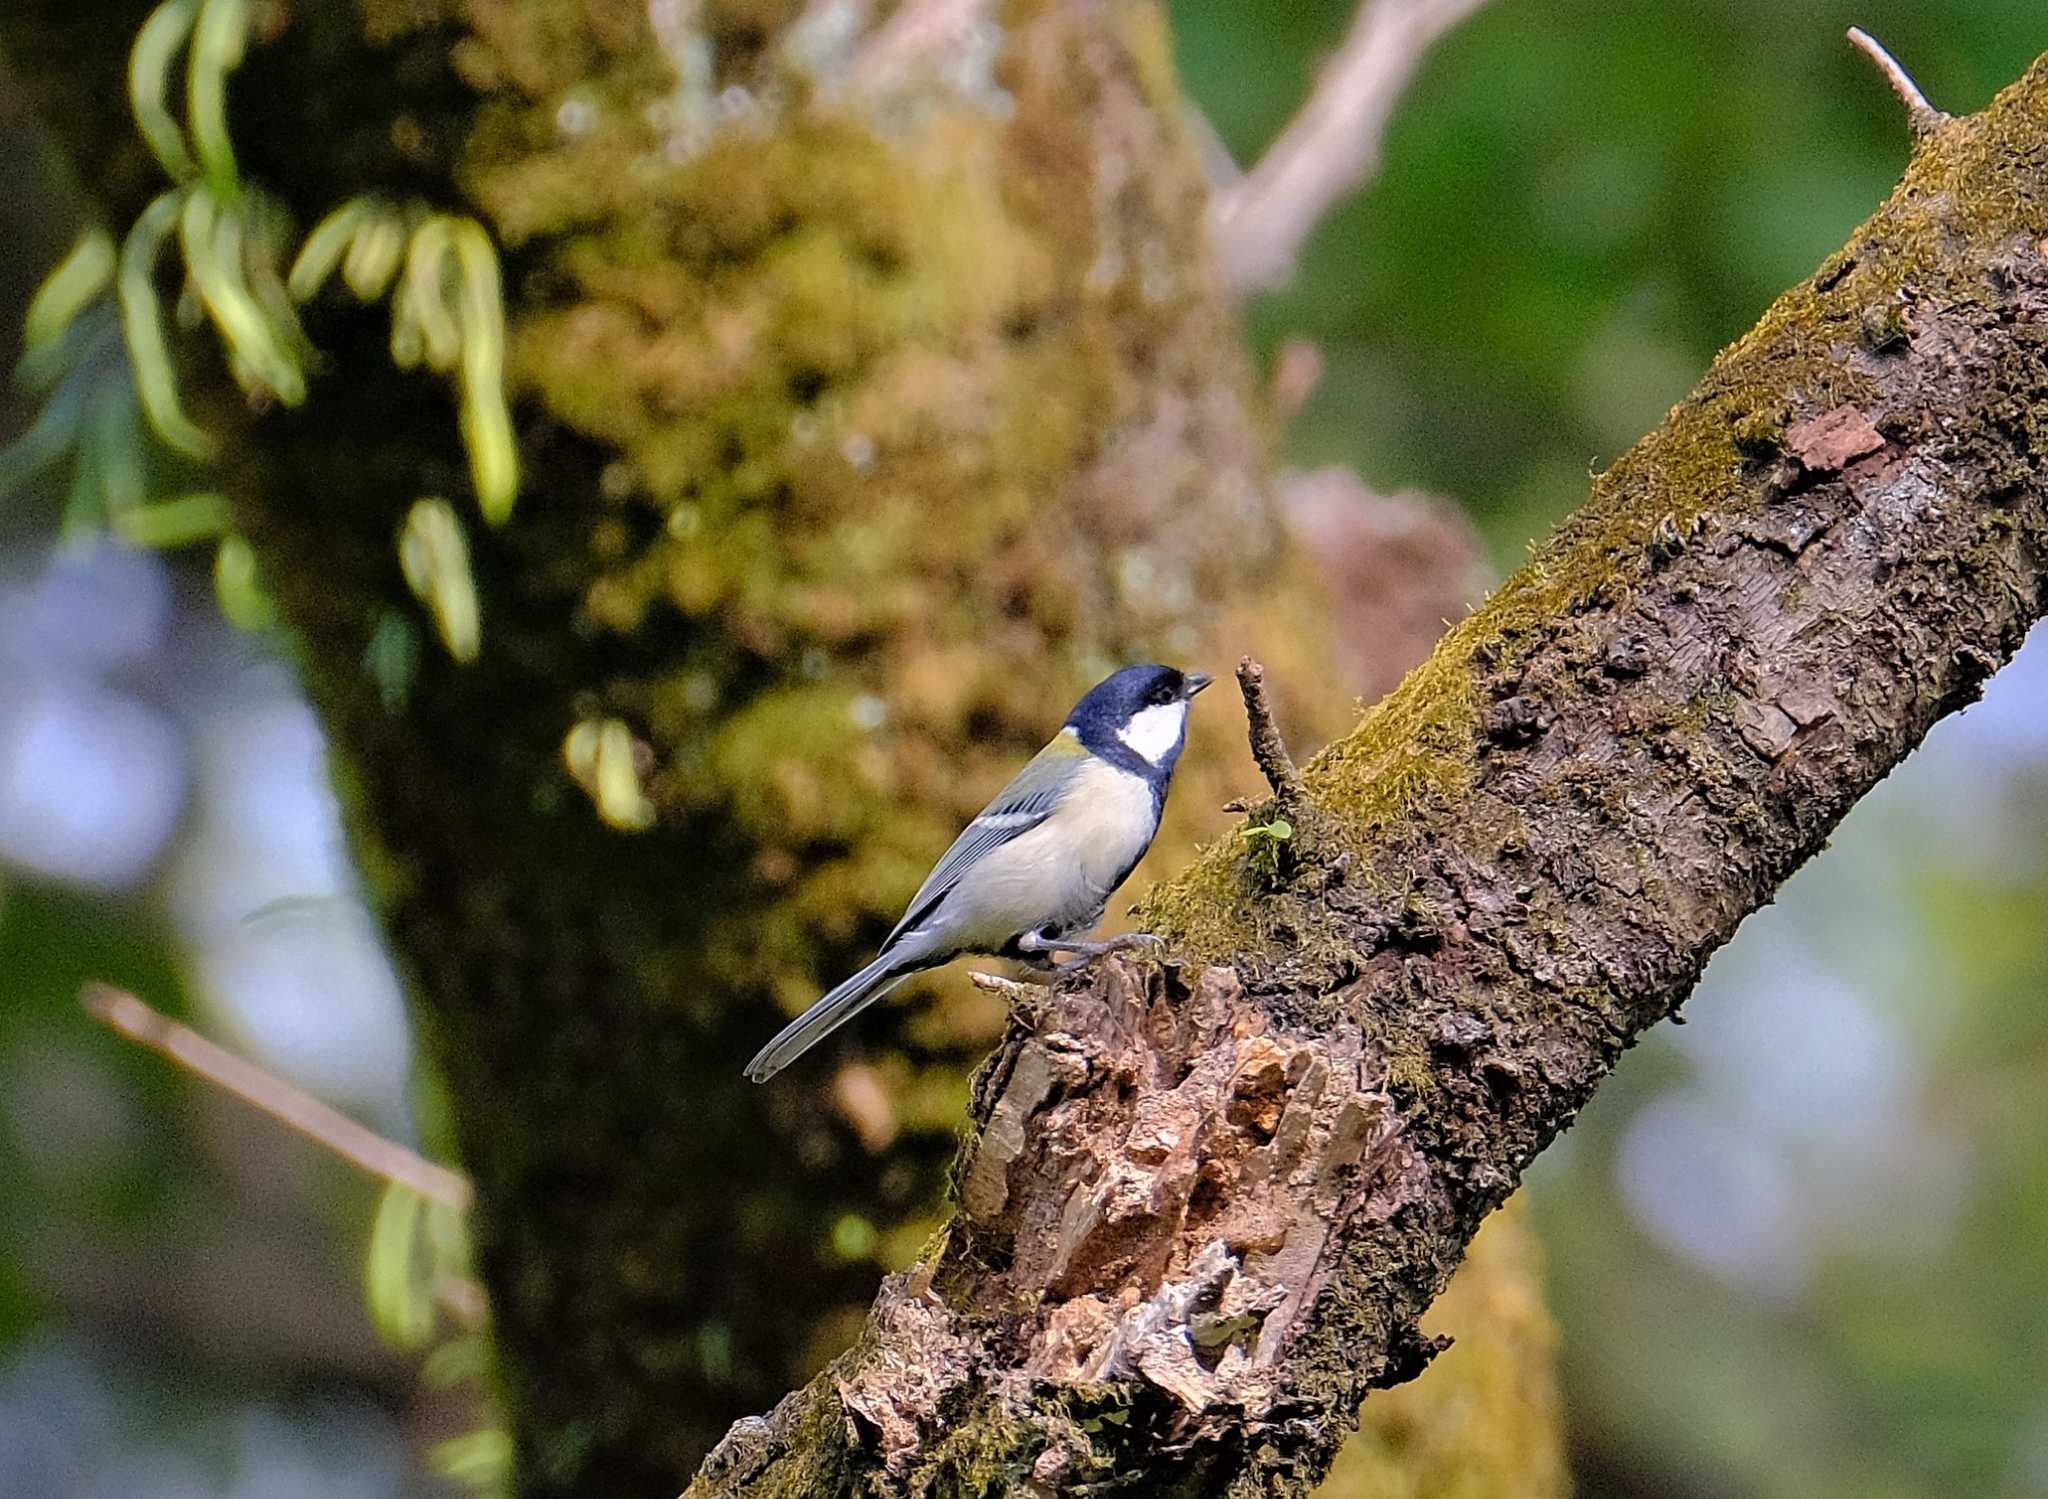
1060	873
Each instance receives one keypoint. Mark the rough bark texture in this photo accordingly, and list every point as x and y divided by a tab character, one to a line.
867	418
1486	1419
1209	1197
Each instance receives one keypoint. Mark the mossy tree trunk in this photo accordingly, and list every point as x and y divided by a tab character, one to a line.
1211	1194
876	392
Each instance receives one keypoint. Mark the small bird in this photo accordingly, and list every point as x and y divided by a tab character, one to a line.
1031	875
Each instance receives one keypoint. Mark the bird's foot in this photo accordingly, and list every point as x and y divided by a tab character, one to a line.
1121	943
1084	953
1037	948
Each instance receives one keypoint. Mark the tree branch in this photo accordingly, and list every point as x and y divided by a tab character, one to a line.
1208	1200
290	1106
1333	145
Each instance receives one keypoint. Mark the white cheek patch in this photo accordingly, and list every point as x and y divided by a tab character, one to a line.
1155	730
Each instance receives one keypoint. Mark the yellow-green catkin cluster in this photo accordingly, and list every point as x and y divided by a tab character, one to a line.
440	273
231	241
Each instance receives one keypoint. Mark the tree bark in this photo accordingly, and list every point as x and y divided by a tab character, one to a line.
871	405
1209	1196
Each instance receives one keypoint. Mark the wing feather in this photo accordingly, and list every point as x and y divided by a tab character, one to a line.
1031	797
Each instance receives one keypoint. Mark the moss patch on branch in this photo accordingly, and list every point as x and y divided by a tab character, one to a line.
1822	345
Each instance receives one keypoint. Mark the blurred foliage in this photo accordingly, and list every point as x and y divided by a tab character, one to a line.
1483	1421
74	1157
1900	1345
1580	204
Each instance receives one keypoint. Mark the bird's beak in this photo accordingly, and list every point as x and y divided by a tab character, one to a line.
1195	682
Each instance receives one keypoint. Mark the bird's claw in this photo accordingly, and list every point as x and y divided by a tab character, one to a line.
1120	943
1087	952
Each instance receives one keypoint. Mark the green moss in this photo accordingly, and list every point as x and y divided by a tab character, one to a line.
1411	1075
982	1457
1209	911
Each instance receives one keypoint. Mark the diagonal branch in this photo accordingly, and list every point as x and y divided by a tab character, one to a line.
1207	1201
1333	145
290	1106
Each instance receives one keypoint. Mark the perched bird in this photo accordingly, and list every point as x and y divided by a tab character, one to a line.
1031	875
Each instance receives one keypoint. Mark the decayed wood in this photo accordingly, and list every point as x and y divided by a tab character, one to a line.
1210	1195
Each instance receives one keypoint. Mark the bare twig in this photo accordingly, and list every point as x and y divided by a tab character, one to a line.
1268	748
1002	988
1333	144
918	27
1921	117
1218	165
290	1106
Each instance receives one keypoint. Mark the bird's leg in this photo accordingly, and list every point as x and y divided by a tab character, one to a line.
1035	949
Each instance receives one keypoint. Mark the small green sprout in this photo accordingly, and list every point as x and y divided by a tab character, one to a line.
1266	840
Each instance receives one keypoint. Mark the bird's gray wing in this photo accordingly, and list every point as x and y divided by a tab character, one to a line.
1031	797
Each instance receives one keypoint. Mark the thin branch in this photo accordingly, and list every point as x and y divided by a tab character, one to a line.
1297	371
1218	165
290	1106
1921	117
1333	145
1268	748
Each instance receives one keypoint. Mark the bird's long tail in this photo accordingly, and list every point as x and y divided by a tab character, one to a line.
896	963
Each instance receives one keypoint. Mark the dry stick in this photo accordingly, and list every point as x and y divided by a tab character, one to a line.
1268	748
1921	117
288	1105
1010	989
1333	144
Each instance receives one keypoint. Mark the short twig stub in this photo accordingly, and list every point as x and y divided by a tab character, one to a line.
1922	118
1268	748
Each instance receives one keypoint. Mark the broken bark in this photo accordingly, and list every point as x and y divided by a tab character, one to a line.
1210	1195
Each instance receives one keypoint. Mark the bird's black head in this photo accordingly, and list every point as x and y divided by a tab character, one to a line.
1137	717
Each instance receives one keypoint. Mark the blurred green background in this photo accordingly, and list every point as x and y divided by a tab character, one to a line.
1799	1247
